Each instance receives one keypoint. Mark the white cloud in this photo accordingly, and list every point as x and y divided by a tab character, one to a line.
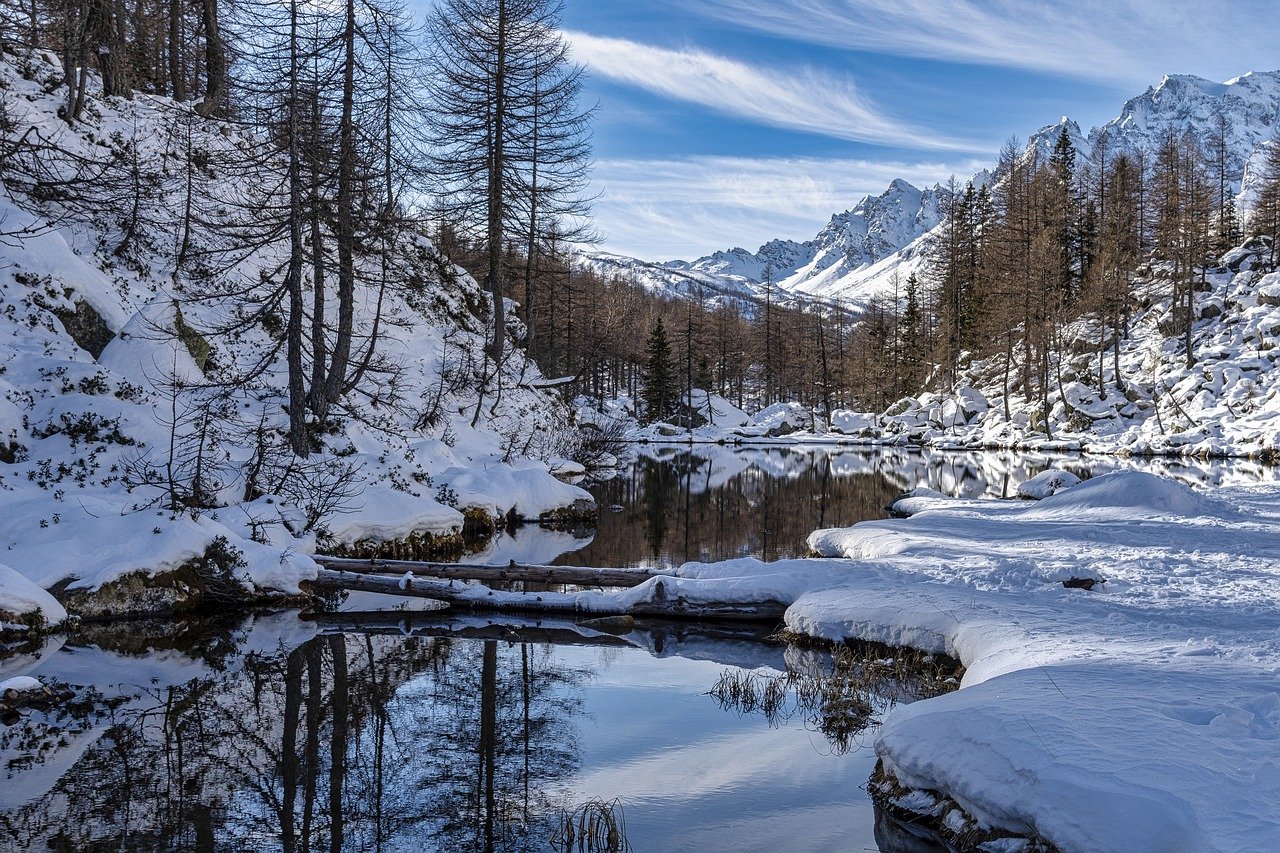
795	98
1122	41
669	208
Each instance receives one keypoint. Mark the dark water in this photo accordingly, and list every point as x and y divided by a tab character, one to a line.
391	730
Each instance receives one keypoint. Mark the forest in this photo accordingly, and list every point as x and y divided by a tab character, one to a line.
468	126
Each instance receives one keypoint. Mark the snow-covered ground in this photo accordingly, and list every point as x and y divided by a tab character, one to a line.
107	353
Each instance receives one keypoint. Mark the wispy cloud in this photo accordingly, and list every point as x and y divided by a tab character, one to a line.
795	98
662	209
1120	41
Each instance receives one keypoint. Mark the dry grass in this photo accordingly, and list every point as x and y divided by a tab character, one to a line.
836	689
596	826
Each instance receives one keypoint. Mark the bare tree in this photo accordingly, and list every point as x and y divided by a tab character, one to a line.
508	136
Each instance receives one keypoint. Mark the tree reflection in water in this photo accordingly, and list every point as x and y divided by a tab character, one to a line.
685	505
348	742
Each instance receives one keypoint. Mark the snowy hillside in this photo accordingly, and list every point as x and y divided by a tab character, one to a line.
861	252
1227	403
126	382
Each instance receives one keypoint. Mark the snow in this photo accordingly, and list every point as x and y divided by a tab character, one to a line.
20	597
20	684
83	429
1046	484
525	489
386	515
1142	717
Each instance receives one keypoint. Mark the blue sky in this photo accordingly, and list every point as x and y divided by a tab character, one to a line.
730	122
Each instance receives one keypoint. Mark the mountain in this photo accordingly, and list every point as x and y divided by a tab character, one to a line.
861	253
854	248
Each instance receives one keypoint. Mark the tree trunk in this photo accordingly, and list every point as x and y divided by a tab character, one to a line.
497	165
177	78
215	61
293	277
341	357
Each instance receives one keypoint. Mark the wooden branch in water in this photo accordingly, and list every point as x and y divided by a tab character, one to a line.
575	575
481	598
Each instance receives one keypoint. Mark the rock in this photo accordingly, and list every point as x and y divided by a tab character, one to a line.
1082	583
617	625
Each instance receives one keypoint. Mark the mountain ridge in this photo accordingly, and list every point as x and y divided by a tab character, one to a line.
871	248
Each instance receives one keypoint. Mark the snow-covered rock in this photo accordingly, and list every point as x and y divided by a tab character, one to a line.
1046	484
22	599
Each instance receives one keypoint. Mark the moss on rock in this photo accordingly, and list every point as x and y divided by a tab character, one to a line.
209	581
86	327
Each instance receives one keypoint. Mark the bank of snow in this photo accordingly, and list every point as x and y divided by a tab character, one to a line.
1144	715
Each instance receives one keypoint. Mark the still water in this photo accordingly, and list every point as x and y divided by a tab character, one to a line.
382	729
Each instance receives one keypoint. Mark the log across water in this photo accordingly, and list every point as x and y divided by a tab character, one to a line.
513	571
462	596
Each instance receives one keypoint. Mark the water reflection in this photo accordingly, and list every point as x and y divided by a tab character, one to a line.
675	504
435	733
344	742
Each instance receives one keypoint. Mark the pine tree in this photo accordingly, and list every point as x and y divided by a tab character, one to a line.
659	384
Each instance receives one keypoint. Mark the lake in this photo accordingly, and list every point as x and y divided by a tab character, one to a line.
379	728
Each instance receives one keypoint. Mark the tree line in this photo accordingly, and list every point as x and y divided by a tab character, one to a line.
1052	237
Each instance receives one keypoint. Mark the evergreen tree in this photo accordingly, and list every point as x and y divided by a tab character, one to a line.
659	384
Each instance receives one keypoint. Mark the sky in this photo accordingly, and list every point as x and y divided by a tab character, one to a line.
726	123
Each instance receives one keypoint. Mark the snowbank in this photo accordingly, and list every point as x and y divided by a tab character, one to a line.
21	598
1046	484
1139	716
526	489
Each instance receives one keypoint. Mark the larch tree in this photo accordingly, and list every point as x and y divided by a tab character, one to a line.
510	141
1265	219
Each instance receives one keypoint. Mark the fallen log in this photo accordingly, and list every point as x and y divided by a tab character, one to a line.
481	598
572	575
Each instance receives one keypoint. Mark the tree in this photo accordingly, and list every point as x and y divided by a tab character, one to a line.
1265	221
508	137
1226	220
659	383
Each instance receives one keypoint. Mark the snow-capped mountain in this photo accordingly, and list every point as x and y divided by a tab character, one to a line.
852	248
867	251
1249	106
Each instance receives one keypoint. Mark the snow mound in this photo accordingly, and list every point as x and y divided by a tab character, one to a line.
20	684
1127	494
1047	483
387	515
20	597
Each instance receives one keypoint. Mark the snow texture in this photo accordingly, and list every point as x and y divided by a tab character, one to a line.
96	325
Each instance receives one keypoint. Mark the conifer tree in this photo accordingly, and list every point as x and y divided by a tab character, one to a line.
1265	221
659	384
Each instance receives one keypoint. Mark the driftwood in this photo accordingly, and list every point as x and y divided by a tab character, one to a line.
480	598
573	575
